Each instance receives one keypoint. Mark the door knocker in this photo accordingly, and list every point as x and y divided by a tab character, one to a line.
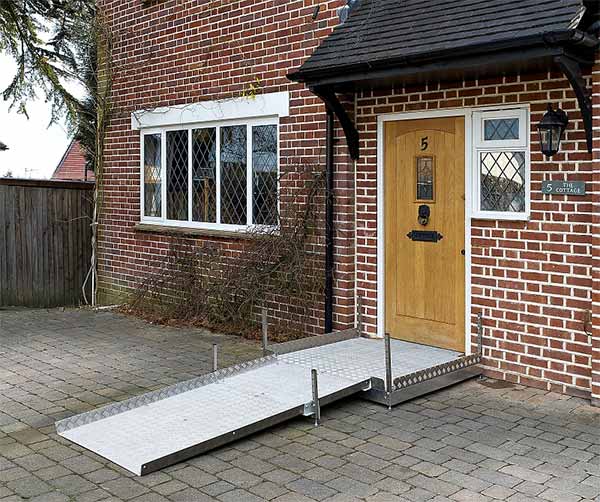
424	214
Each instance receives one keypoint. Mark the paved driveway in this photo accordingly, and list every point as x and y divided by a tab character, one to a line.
473	442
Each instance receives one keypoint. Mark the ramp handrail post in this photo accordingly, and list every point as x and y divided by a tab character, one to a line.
388	369
215	357
480	334
315	396
359	315
265	331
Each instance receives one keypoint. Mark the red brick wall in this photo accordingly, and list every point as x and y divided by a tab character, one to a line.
531	280
182	52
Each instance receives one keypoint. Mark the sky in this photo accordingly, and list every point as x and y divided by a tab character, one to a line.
34	148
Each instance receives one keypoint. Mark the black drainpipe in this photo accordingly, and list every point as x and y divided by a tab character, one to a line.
329	228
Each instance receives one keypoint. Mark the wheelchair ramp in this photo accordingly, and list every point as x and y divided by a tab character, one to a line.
160	428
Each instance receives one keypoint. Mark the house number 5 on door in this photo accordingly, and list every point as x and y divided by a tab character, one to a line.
424	143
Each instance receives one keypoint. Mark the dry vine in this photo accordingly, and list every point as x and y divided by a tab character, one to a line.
208	284
99	91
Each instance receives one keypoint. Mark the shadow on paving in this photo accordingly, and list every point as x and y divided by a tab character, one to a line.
469	442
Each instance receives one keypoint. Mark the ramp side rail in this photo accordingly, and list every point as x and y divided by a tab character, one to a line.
158	395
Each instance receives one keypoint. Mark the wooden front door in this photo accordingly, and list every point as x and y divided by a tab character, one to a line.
425	231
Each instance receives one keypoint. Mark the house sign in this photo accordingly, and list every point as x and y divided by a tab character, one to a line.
564	187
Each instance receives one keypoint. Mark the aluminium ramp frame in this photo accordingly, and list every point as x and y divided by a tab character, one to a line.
154	430
160	428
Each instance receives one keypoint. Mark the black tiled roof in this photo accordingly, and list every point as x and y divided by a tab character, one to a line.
391	30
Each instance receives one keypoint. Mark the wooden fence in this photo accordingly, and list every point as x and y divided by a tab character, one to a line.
45	241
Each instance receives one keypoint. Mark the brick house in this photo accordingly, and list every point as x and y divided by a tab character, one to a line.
72	165
426	120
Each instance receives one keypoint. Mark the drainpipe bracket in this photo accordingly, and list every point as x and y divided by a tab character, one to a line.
329	97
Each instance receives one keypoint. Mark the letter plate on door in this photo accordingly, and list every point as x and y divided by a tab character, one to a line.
424	236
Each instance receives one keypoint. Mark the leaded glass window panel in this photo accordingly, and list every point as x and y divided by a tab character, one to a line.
219	177
152	175
425	180
501	129
177	175
502	181
233	175
264	175
501	164
204	171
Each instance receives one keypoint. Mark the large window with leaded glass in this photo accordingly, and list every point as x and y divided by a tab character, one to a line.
214	176
501	158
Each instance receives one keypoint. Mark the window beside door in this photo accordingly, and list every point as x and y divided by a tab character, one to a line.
502	164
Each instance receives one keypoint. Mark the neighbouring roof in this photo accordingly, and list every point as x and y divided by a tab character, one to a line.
404	32
72	166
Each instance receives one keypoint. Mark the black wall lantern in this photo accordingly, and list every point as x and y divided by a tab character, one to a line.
552	129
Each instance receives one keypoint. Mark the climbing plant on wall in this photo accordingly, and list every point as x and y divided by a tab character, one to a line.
224	287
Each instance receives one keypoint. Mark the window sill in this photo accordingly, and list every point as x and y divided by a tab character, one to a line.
501	216
193	232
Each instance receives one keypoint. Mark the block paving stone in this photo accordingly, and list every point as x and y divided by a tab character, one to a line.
470	442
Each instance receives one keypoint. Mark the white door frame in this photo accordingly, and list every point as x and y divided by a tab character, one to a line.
467	113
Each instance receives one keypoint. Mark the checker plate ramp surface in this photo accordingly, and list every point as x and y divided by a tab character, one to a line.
362	358
161	428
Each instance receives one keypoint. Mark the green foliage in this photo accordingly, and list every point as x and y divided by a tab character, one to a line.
55	46
46	39
86	128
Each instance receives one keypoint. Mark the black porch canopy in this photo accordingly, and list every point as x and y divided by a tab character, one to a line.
387	42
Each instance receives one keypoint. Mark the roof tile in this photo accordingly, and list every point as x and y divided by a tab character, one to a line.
379	30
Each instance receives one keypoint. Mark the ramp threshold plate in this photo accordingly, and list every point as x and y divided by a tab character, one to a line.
158	429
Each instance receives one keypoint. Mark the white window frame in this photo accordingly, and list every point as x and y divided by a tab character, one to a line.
480	145
163	221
